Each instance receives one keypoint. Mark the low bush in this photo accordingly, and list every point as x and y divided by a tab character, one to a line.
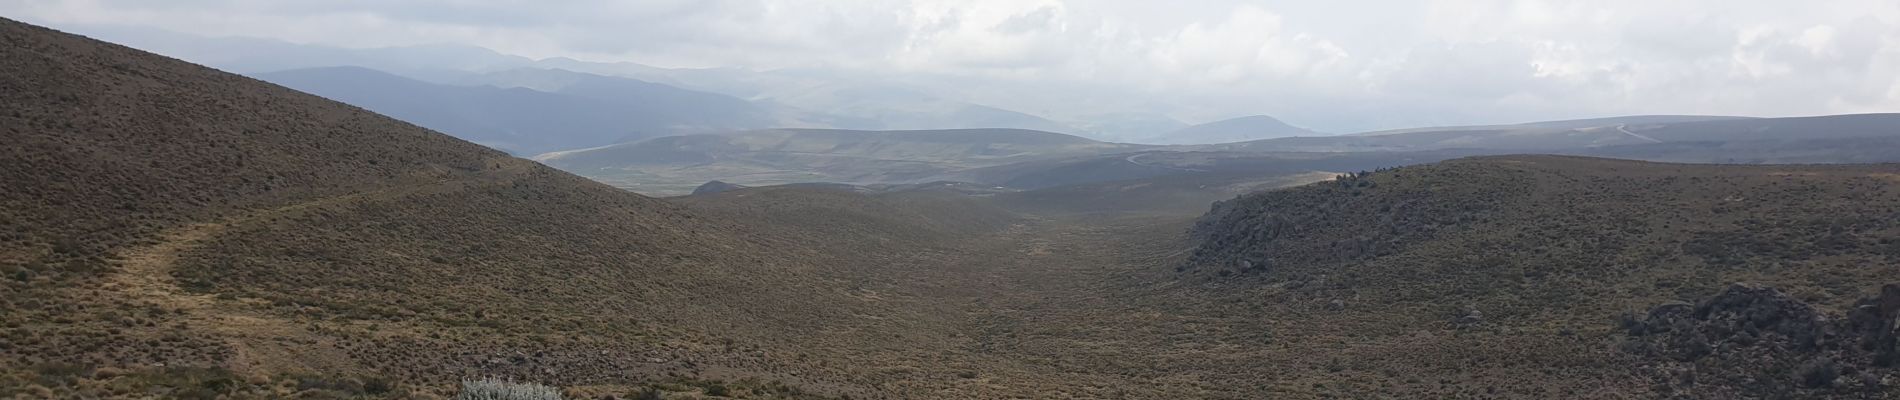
492	389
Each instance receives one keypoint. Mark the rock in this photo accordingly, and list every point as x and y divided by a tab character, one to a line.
1671	309
1874	320
1471	317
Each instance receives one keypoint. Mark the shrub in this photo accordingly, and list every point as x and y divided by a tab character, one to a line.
491	389
1819	373
650	394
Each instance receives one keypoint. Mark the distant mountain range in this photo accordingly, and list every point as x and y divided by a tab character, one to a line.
1132	127
1575	135
589	110
582	109
795	98
1241	129
675	165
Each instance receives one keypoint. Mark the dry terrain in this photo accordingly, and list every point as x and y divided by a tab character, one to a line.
172	231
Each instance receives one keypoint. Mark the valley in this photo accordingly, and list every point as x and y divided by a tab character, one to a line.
176	231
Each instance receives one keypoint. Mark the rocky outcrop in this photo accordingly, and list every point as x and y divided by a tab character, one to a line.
1760	342
1873	322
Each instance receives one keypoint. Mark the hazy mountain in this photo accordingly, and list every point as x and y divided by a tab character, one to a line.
674	165
1231	130
696	110
881	107
1127	126
1564	124
795	98
254	55
1588	134
586	110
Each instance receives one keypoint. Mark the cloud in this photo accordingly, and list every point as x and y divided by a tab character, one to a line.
1339	64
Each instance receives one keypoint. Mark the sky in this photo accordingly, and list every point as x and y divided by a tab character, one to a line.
1339	65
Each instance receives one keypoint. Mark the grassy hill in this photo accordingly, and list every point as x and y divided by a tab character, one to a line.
1184	194
173	231
1532	256
180	231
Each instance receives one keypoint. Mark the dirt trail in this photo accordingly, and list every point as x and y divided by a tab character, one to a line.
256	339
260	341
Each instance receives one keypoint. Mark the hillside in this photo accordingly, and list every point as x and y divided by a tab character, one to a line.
675	165
1177	194
1232	130
170	224
172	231
1530	256
577	111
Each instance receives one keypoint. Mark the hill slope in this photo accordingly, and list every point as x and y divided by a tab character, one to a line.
1522	252
168	224
173	231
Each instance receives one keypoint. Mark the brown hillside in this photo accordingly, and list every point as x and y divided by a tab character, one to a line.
171	231
1518	253
165	214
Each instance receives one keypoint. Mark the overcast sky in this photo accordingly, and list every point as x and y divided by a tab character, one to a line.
1327	63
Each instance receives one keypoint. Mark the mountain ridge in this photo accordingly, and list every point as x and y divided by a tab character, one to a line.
522	119
1231	130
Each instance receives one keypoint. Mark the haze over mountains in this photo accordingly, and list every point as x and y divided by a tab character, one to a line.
526	121
171	230
580	110
1022	159
847	104
1242	129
